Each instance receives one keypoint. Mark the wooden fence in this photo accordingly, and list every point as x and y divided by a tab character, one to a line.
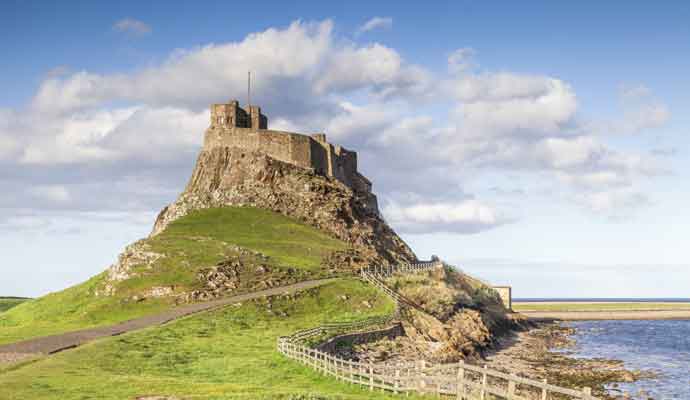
460	380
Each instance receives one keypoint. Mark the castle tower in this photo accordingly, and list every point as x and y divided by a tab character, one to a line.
256	119
234	116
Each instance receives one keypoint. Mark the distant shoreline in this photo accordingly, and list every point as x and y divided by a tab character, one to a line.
607	315
601	300
603	310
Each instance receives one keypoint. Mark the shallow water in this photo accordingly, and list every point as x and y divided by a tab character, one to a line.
660	346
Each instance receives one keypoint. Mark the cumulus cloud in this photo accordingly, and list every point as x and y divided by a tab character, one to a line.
292	68
641	111
468	216
462	61
375	23
421	136
52	193
132	26
616	204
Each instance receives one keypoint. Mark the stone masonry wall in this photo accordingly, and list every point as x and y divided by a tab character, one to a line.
294	148
232	126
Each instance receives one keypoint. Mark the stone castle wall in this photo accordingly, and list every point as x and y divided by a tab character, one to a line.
232	126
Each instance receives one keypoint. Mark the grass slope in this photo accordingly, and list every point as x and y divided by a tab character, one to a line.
198	240
8	302
224	354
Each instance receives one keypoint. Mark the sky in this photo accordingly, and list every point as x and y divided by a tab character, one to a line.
541	145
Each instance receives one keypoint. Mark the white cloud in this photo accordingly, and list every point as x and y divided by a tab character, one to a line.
52	193
375	23
132	26
292	68
353	121
641	111
598	179
509	104
617	203
462	61
150	122
468	216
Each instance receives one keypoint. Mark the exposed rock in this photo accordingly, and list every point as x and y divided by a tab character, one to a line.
449	324
229	176
160	291
218	281
136	254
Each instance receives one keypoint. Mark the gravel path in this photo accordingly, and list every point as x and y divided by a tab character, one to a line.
55	343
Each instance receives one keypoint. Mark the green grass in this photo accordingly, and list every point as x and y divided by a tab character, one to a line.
8	302
558	307
199	240
224	354
283	239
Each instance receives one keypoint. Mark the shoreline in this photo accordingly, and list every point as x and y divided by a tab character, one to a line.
543	352
547	316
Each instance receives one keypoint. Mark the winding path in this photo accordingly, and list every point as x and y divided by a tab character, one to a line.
55	343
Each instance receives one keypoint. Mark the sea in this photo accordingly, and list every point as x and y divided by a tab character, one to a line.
662	347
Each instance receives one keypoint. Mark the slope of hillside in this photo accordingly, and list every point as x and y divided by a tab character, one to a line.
9	302
227	353
206	254
458	317
230	176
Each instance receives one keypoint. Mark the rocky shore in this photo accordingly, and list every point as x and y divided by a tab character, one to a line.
544	352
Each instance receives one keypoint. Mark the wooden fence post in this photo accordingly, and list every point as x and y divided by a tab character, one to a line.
586	393
461	381
482	393
544	391
371	377
511	389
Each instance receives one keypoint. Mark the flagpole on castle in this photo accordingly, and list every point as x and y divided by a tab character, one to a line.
249	85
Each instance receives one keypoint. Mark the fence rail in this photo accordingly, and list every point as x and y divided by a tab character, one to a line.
460	380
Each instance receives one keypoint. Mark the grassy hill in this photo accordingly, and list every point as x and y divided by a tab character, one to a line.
224	354
287	248
8	302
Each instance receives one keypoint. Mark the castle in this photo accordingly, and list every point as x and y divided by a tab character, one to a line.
232	126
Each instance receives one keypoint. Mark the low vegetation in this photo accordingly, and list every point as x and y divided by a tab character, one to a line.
8	302
253	238
442	293
224	354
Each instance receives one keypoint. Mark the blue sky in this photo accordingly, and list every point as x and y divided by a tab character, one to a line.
536	144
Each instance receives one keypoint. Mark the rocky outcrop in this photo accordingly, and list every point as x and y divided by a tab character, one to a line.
453	320
137	254
230	176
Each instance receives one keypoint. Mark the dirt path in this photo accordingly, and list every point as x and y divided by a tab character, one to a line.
55	343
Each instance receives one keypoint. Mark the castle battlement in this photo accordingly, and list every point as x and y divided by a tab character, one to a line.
232	126
232	115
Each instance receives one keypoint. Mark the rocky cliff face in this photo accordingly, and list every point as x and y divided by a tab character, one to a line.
229	176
